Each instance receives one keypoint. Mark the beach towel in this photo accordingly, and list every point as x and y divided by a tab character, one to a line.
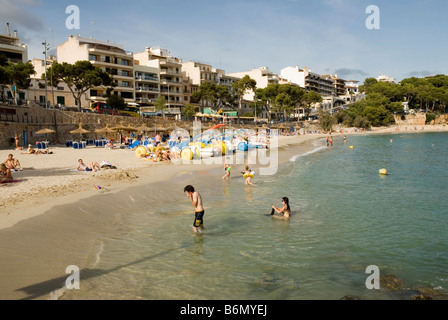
13	181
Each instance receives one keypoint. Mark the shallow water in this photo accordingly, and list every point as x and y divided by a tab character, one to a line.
345	218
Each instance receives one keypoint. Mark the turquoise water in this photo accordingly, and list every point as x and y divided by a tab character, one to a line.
346	217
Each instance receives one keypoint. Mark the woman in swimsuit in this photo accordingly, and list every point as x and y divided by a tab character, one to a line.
286	210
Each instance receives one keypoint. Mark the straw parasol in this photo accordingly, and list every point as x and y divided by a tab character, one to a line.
80	131
45	131
144	128
105	130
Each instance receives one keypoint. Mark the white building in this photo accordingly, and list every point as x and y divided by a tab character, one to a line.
262	76
12	48
385	78
170	71
308	80
352	86
109	57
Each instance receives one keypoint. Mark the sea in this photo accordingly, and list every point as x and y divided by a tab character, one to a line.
350	229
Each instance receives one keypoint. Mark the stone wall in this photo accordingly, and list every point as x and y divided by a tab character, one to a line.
25	121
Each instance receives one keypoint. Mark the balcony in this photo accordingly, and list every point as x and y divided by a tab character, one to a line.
146	78
147	89
166	82
170	72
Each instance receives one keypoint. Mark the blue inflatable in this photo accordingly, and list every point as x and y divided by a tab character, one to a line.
242	146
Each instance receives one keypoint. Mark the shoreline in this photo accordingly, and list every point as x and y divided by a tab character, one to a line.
41	231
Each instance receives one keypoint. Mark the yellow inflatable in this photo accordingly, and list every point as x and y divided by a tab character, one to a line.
141	151
383	172
186	154
198	144
352	147
247	175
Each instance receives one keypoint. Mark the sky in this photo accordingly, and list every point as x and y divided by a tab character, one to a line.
329	36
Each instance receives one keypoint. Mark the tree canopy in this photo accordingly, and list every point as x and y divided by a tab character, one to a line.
79	77
384	99
217	95
15	74
283	98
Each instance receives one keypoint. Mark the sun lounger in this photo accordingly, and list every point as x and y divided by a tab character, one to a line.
134	145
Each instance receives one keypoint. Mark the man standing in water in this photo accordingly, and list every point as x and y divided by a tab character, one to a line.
196	201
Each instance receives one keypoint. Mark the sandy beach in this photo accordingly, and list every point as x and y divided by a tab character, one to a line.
34	230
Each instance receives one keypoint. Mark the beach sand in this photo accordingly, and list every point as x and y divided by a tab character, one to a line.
41	233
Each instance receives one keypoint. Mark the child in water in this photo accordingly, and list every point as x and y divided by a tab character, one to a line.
227	168
248	174
286	210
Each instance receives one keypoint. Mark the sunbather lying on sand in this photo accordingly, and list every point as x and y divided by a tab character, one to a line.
93	166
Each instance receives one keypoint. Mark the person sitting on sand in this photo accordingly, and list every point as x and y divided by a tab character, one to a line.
93	166
5	174
286	210
30	150
13	164
166	156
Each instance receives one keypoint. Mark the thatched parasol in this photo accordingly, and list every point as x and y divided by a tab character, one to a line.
105	130
80	131
144	128
45	131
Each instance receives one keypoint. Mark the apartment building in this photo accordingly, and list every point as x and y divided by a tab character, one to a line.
170	72
12	48
147	84
262	75
109	57
309	80
338	84
196	73
386	78
352	86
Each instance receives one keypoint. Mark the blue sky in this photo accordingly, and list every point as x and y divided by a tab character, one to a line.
328	36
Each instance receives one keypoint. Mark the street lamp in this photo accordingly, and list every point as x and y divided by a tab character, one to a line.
46	48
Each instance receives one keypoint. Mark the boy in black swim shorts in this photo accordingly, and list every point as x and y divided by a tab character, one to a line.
196	201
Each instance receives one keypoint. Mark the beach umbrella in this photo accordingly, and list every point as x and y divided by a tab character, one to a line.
143	128
80	131
45	131
105	130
